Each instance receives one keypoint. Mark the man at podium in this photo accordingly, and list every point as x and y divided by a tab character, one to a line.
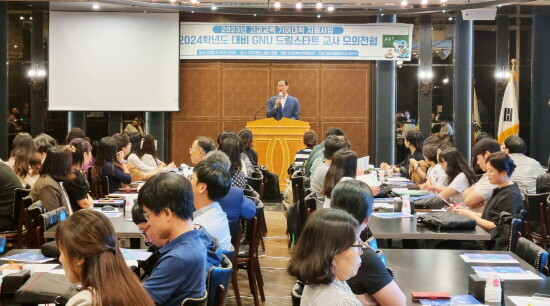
283	105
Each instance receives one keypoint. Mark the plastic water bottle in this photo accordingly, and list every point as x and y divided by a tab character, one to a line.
128	206
406	204
381	173
493	288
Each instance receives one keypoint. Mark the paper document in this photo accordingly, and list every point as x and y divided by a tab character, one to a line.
392	215
135	254
34	268
363	162
505	272
528	300
455	300
488	258
28	257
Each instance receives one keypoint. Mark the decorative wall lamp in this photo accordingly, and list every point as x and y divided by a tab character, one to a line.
425	76
502	77
36	76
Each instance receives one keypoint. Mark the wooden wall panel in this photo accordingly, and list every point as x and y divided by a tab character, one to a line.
223	95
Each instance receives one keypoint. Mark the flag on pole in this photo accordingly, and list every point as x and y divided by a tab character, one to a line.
508	122
476	121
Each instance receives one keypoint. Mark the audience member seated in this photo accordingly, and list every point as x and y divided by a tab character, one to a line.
110	162
180	271
247	138
230	146
435	176
330	146
234	203
414	142
146	158
43	142
317	151
506	197
90	256
459	176
475	197
246	164
446	132
77	132
543	181
211	182
342	167
419	170
373	279
527	169
310	140
135	125
325	264
214	252
24	160
124	145
200	147
8	183
55	170
78	189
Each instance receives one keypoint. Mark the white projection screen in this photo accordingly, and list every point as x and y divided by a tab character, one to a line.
113	61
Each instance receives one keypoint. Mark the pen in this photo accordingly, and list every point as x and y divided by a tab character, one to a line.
11	262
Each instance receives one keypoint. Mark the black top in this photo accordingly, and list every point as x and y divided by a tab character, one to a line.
77	189
404	164
507	199
371	276
252	155
543	183
8	183
116	176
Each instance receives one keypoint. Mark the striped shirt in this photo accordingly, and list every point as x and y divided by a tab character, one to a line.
301	157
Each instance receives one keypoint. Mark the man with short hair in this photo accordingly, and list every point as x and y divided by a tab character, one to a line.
211	182
527	169
283	105
180	272
317	151
200	147
476	196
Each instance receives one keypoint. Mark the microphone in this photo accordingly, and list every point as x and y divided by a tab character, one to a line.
256	113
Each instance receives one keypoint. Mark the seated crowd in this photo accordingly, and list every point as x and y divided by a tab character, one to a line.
188	221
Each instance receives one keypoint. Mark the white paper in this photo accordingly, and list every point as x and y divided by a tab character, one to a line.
131	262
363	162
393	215
512	276
397	179
368	179
527	300
57	271
39	267
468	259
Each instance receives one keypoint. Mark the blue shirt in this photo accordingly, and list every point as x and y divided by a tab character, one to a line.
236	205
179	272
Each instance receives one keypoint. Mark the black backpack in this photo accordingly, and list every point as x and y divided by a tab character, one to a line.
271	185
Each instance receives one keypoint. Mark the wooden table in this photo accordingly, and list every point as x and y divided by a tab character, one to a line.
444	271
406	228
123	228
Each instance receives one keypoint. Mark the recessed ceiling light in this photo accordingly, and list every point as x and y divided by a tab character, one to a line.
21	18
319	5
214	7
450	18
30	18
330	8
95	6
277	5
318	16
299	5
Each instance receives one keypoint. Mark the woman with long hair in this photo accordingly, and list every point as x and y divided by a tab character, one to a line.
343	165
414	140
147	158
110	162
231	147
90	256
23	160
124	144
459	176
54	171
326	256
247	138
78	188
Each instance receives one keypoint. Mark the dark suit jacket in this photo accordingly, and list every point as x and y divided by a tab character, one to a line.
290	110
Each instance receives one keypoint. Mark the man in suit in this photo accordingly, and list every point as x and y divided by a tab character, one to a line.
283	105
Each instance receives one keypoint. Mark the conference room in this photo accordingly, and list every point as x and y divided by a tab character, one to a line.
291	99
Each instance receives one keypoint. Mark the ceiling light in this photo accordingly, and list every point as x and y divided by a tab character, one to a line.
277	5
330	8
194	2
95	6
445	80
214	7
424	3
318	16
30	18
173	2
299	5
254	15
21	18
319	5
450	18
404	4
15	46
443	2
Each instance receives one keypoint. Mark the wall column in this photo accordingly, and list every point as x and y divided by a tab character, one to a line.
540	86
385	106
76	119
462	90
4	107
38	103
425	64
502	60
154	125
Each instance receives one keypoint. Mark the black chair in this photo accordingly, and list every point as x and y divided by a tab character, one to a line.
31	222
202	301
515	233
256	181
531	253
248	259
48	220
218	276
535	225
296	293
15	236
236	241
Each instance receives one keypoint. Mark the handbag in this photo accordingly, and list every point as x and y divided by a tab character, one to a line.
429	203
446	220
45	288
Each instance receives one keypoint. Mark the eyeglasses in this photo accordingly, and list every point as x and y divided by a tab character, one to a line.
142	232
359	244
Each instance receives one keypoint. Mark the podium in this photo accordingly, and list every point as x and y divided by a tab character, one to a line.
277	142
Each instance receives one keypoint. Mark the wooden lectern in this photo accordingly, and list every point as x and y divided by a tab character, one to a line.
277	142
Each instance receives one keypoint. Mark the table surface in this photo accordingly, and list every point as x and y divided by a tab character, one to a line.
444	271
123	228
406	228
